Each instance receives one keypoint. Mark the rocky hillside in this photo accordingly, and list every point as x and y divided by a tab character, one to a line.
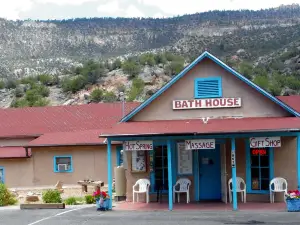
264	45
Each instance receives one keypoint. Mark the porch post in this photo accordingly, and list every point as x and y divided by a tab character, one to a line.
233	169
109	172
298	159
170	183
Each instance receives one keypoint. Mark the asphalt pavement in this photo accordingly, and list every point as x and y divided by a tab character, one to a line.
88	215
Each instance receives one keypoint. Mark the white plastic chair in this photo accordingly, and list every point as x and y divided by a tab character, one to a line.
240	187
279	185
144	185
184	187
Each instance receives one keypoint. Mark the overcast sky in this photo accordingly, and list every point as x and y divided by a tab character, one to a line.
64	9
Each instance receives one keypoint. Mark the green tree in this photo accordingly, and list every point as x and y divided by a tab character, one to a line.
2	84
262	81
46	79
96	95
11	84
136	89
117	64
74	84
19	103
147	59
160	58
174	67
246	69
41	102
131	68
19	92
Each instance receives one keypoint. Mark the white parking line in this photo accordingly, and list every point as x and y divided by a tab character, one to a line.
46	218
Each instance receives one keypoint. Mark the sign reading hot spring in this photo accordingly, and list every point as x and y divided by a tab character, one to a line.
137	145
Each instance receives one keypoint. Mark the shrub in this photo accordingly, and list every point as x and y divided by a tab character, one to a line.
42	90
6	197
96	95
117	64
131	68
11	84
147	59
136	89
29	80
74	84
41	102
19	92
174	67
71	201
109	96
2	84
19	103
51	196
46	79
89	199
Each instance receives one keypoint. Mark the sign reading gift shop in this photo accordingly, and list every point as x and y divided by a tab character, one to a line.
207	103
200	144
137	145
265	142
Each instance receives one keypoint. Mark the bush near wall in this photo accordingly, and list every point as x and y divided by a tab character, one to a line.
6	197
51	196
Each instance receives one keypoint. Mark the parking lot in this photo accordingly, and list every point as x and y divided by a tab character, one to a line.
88	215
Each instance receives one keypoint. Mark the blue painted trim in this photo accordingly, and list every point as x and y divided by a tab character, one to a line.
3	173
174	162
169	147
298	160
248	166
208	95
224	66
109	172
221	136
55	169
118	151
248	169
152	173
196	174
233	169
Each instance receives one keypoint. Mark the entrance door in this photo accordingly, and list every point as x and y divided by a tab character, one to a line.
210	174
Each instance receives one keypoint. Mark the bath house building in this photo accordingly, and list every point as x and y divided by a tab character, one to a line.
210	125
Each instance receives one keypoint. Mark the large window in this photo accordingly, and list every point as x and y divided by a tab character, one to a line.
161	167
1	174
63	164
259	169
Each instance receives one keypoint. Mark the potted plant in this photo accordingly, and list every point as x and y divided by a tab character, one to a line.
102	200
293	201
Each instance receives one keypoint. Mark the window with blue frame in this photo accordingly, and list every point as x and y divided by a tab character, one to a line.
161	167
2	175
208	87
63	164
260	169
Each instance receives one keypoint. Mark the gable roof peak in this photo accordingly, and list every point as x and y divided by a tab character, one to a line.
204	55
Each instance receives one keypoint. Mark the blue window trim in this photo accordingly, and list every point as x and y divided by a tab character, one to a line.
118	152
248	169
62	156
3	169
219	95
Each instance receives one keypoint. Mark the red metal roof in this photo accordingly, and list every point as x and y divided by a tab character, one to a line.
198	126
293	101
36	121
87	137
14	152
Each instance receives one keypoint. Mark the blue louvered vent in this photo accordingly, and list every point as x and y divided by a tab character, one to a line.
208	87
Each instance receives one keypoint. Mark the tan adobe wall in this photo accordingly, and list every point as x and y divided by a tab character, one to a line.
88	162
18	172
254	104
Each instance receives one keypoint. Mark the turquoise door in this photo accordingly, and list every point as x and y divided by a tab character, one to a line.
210	174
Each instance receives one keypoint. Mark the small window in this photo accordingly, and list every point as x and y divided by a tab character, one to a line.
210	87
1	174
63	164
119	155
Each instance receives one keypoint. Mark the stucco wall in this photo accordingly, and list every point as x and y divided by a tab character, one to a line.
88	162
18	172
254	104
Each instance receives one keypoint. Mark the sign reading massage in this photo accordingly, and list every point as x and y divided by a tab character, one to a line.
137	145
200	144
207	103
264	142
